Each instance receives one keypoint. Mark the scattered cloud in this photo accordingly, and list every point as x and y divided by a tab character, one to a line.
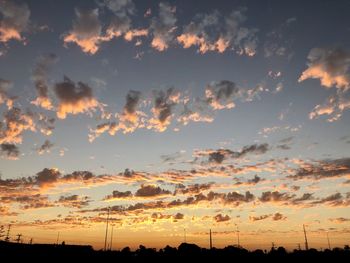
329	168
330	66
86	31
163	27
14	21
39	76
215	32
339	220
9	151
221	218
45	147
74	98
13	125
74	201
151	191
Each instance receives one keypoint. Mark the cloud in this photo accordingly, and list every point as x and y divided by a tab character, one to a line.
74	98
119	6
329	168
86	32
131	118
45	147
255	180
39	76
47	176
278	42
119	195
274	217
163	27
258	218
14	22
121	21
5	211
5	85
330	66
151	191
333	108
120	25
178	216
336	199
218	156
164	102
128	121
172	158
9	151
339	220
214	32
221	95
268	130
28	201
45	124
231	199
275	196
74	201
14	124
221	218
278	217
194	114
193	188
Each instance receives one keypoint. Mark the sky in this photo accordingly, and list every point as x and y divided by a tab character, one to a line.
176	117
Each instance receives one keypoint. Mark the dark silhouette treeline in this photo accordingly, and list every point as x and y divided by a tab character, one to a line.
12	251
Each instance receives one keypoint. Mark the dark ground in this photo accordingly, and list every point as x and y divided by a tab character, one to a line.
12	252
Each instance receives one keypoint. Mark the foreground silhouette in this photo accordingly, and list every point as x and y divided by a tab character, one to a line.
184	251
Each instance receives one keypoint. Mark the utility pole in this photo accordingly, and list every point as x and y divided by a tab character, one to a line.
184	235
7	239
106	230
306	243
272	246
238	245
18	238
299	248
210	240
110	246
58	237
329	244
31	241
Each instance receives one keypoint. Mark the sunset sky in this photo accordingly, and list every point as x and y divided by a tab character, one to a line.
197	115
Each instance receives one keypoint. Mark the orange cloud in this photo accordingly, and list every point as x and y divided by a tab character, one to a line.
331	66
75	99
15	20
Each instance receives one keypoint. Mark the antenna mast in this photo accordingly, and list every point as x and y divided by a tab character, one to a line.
7	239
238	245
106	230
306	243
329	244
184	235
210	240
110	247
